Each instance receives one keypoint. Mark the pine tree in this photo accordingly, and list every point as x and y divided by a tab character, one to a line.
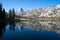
0	7
10	11
0	11
13	12
4	12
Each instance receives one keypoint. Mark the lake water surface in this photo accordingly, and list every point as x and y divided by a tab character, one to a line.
30	30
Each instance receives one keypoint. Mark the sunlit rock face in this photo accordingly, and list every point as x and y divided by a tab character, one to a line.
20	12
53	11
57	6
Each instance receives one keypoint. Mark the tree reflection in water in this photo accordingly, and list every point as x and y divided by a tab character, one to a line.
2	28
35	25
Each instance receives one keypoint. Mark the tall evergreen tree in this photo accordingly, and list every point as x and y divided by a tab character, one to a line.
4	14
10	11
0	7
1	13
4	11
13	12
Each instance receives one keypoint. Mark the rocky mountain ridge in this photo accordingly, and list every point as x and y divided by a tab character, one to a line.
53	11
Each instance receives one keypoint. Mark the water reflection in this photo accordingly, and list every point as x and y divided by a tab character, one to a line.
2	28
12	26
53	26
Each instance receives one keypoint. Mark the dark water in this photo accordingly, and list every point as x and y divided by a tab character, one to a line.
27	30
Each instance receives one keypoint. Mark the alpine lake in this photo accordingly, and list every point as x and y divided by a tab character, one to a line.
30	30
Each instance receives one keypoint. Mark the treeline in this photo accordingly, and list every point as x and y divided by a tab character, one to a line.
4	16
5	19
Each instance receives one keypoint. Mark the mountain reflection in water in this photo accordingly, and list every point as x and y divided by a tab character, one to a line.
30	30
